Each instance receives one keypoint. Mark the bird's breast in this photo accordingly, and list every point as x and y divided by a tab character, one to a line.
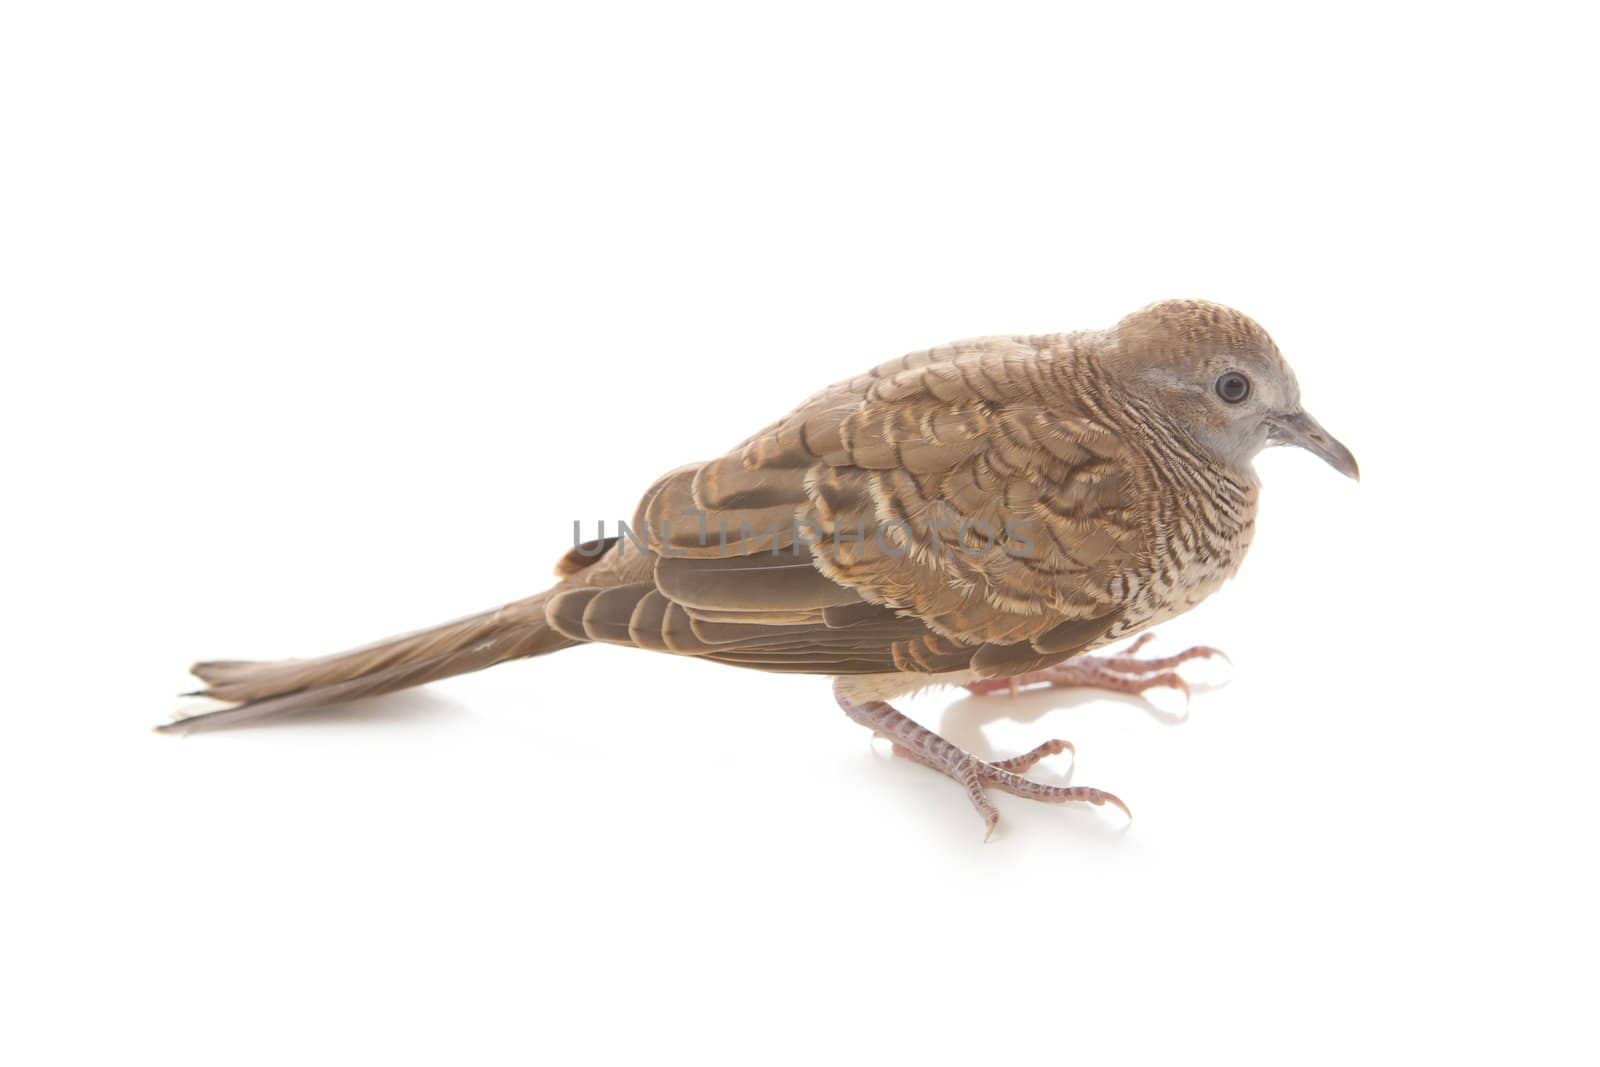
1198	528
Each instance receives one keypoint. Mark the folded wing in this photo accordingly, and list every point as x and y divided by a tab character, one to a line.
958	509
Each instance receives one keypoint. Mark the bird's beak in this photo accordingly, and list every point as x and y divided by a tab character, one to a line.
1302	430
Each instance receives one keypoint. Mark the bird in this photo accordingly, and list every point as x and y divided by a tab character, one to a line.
987	513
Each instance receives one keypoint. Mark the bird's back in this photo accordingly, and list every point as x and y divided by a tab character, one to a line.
986	506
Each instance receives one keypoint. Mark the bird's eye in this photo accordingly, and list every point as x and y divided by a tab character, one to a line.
1233	387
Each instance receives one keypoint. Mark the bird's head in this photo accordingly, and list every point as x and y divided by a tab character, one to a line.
1216	374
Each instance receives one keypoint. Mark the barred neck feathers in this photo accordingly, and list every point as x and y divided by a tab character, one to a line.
1199	512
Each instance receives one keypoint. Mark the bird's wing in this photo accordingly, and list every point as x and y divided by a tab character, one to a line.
956	509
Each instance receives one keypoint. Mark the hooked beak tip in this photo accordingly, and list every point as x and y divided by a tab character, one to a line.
1302	431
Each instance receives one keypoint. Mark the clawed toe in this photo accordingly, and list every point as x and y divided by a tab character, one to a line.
1027	788
1127	663
1122	673
1133	685
995	776
1111	798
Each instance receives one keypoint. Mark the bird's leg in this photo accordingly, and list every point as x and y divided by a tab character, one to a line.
1121	673
973	774
1016	764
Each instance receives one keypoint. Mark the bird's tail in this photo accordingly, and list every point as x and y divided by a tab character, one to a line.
257	689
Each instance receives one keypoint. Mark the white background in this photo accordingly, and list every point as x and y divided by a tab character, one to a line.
324	321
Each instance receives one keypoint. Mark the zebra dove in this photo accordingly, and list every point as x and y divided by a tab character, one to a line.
986	514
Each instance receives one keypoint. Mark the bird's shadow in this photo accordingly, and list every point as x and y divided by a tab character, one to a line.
963	721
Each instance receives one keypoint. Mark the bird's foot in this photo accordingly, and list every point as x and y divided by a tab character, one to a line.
976	776
1124	672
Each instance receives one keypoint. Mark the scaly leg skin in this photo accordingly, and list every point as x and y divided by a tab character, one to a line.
973	774
1121	673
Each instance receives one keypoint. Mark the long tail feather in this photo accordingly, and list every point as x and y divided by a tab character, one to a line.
256	690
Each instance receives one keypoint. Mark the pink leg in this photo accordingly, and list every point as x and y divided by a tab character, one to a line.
1016	764
1121	673
974	775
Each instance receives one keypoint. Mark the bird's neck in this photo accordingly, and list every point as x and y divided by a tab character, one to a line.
1199	511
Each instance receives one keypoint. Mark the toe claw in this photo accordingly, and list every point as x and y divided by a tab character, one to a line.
1112	798
1175	681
